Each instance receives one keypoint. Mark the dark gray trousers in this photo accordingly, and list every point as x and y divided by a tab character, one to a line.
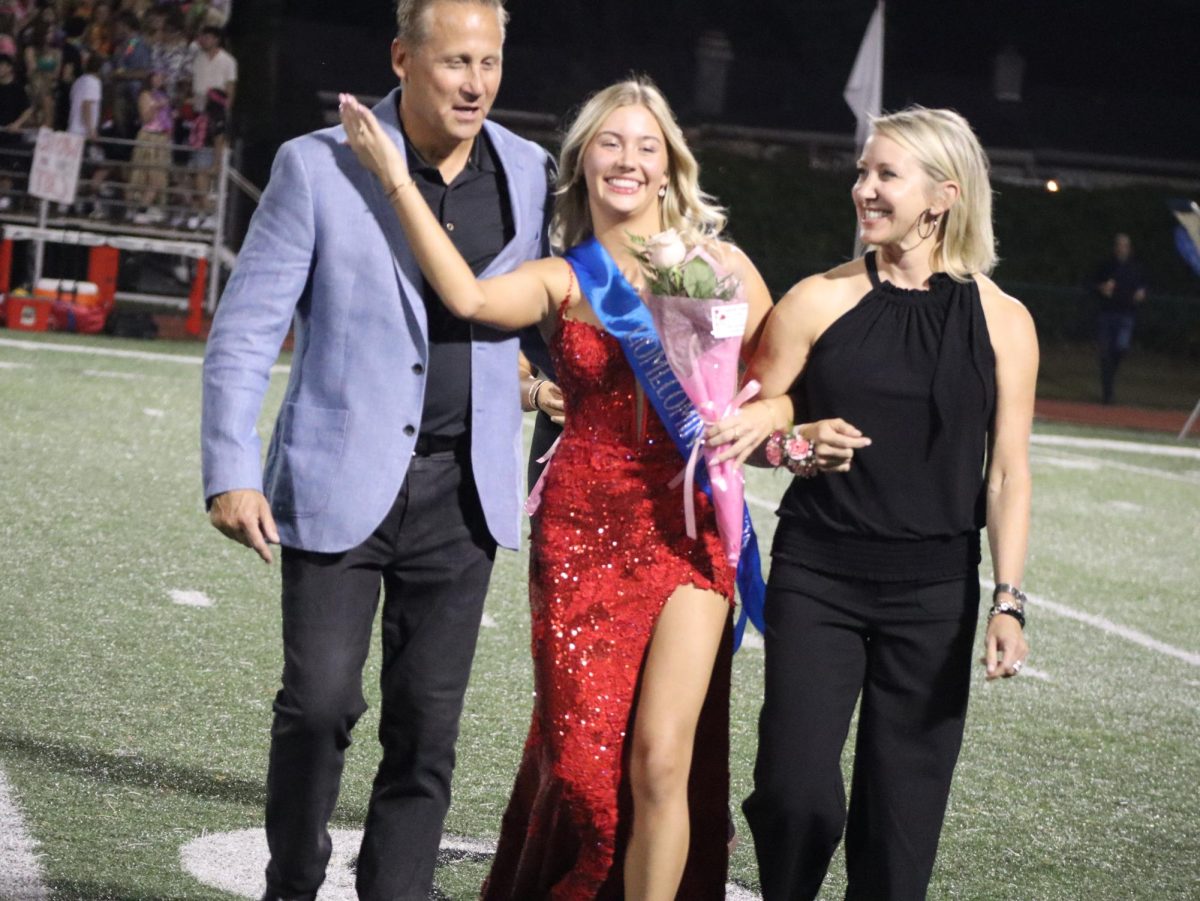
433	556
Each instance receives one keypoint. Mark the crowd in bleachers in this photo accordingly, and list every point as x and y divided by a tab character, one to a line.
147	82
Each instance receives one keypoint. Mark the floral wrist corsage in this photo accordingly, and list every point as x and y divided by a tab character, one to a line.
792	451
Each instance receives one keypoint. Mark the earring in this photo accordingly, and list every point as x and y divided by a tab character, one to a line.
933	224
662	192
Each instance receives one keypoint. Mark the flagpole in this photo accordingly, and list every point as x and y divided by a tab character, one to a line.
864	88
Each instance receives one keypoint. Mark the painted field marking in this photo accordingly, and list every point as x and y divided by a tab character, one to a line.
1110	444
38	346
185	359
151	411
488	621
110	374
8	364
752	640
187	598
235	862
1107	625
1133	447
1094	464
1030	672
20	871
1087	464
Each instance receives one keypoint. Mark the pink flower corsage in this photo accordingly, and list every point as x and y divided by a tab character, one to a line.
792	451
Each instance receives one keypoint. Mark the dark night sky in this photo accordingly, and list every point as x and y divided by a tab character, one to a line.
1101	76
1097	44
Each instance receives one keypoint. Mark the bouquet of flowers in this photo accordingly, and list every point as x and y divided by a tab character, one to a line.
700	315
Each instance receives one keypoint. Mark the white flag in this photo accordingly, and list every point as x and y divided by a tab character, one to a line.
864	89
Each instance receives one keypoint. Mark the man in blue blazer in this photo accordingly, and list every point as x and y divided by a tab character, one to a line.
395	459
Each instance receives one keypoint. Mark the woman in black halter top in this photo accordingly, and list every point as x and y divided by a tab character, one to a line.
916	375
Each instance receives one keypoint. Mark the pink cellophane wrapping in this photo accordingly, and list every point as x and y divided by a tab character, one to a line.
707	369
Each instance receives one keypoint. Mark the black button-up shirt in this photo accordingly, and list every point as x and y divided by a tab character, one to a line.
477	215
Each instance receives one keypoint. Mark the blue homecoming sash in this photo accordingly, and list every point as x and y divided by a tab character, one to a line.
619	308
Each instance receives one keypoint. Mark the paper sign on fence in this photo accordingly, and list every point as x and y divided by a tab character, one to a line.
56	160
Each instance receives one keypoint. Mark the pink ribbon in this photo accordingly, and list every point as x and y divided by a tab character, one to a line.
535	496
688	474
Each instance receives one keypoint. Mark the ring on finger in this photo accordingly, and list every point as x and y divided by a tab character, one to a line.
1016	667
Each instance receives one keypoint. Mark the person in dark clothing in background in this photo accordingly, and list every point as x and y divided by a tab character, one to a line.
15	111
1120	286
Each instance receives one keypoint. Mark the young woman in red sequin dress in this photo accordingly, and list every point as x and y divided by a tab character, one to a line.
623	788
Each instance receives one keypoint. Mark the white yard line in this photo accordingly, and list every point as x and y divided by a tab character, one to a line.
20	872
1107	625
185	359
1070	460
1128	447
40	347
1133	447
1030	673
111	374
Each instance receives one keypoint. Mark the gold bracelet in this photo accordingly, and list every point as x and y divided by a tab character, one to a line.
391	195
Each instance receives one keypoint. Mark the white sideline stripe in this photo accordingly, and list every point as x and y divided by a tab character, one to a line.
20	872
189	359
1085	462
111	374
1107	625
1073	461
235	861
151	411
190	598
7	364
488	621
1162	450
185	359
1109	444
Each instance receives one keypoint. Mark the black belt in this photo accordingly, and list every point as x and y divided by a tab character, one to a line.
440	444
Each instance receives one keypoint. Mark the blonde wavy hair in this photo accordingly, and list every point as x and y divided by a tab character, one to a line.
947	150
686	208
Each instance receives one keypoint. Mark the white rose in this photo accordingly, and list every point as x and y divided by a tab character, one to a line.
666	249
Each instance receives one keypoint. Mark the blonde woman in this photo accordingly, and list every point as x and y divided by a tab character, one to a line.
919	373
631	641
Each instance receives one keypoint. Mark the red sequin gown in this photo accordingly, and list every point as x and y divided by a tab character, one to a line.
608	548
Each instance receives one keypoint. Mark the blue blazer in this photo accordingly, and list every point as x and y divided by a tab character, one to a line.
326	251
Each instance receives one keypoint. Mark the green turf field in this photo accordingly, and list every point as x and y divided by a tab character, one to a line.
133	725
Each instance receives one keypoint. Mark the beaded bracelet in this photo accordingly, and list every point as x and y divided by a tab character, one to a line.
1014	608
792	451
1007	609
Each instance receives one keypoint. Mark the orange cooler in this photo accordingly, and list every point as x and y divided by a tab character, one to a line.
28	314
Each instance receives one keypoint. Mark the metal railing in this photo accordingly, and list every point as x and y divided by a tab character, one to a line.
830	150
178	207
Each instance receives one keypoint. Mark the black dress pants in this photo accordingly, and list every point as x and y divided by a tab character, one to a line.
907	649
433	556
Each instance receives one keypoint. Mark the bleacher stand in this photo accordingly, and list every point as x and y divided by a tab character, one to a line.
149	86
